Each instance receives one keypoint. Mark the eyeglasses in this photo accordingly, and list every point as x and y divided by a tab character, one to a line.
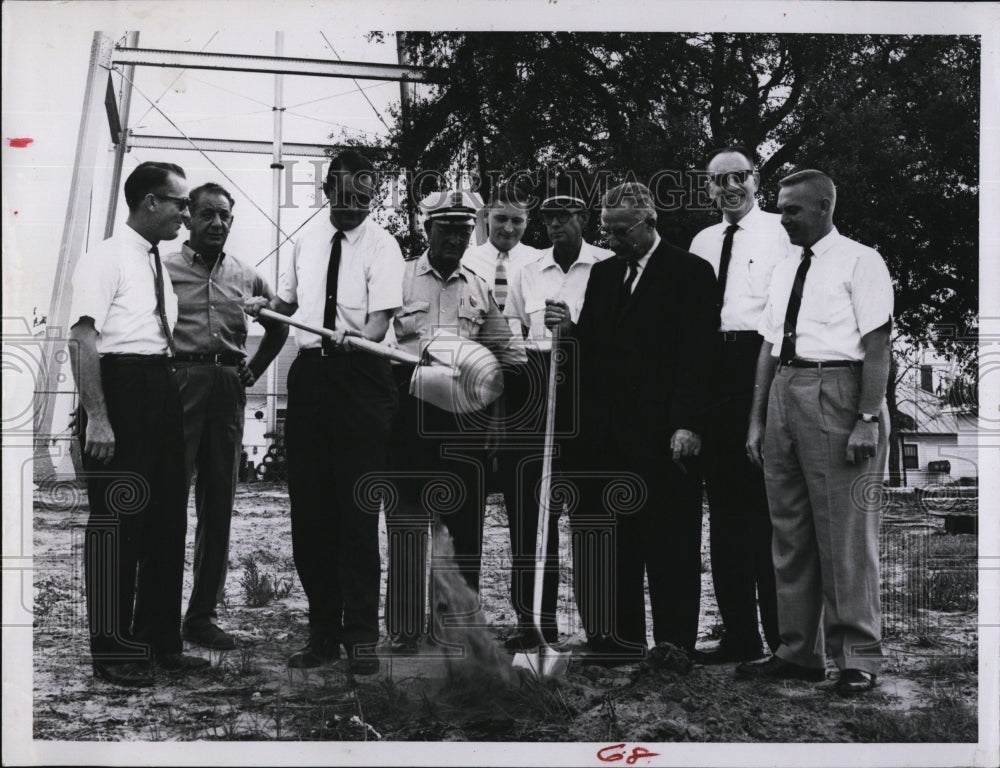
562	215
618	232
181	202
730	177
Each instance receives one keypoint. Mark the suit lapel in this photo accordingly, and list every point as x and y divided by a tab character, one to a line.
647	276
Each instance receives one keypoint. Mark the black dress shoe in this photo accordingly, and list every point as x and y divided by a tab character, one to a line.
855	681
210	636
361	660
131	674
179	662
725	654
776	668
317	652
404	646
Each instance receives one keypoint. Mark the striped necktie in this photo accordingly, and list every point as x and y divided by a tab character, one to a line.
500	284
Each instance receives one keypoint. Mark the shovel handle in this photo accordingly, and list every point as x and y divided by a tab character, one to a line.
356	342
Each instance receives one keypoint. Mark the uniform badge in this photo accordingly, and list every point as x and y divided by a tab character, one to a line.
473	303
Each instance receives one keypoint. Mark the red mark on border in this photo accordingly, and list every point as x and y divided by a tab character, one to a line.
616	752
19	143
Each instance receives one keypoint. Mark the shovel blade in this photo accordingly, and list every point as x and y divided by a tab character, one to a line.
466	379
543	663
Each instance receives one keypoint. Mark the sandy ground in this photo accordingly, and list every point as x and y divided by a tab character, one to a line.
250	694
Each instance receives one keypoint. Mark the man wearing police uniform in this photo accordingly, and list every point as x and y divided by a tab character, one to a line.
743	249
544	293
440	293
346	275
212	375
822	374
121	342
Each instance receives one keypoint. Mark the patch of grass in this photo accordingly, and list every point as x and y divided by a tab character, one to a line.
952	668
260	587
946	719
952	590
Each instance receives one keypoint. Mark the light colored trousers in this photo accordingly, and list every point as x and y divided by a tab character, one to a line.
825	513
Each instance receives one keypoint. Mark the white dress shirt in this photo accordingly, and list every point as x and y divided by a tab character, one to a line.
847	294
114	284
370	277
544	279
482	259
759	245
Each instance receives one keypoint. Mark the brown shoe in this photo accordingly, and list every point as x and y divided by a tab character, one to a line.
776	668
131	674
361	660
317	652
210	636
855	681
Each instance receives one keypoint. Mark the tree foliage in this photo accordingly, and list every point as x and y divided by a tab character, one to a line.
893	119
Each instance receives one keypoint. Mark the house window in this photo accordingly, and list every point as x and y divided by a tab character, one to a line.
910	456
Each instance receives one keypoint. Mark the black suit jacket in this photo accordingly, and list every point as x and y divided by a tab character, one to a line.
645	361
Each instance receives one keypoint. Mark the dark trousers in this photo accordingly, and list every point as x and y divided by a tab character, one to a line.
519	459
340	410
437	474
214	400
740	523
134	539
636	517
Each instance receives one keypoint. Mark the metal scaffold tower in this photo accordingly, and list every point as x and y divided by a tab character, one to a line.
100	105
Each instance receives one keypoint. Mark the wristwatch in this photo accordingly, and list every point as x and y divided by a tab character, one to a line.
868	418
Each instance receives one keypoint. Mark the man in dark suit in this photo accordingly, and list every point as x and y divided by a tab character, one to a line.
647	324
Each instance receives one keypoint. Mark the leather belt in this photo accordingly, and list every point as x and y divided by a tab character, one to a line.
321	352
821	364
127	357
219	358
738	335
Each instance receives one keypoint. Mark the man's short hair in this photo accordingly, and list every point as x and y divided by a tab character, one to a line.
823	183
351	162
148	177
634	195
738	149
508	194
210	188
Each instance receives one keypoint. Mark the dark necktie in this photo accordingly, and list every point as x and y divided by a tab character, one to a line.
330	313
727	255
794	303
633	272
161	304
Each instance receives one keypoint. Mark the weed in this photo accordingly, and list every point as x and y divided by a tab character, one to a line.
259	587
945	719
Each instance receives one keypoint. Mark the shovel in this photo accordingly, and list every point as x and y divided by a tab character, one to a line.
545	661
455	374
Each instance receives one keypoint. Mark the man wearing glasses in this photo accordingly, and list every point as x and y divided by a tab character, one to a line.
346	274
648	319
212	375
545	293
743	250
129	422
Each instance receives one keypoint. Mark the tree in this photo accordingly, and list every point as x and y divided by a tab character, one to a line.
893	119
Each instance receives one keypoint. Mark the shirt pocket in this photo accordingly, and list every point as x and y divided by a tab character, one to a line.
470	320
535	310
352	290
759	277
412	319
827	305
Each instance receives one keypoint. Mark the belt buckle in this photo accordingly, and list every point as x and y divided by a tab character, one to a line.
323	351
217	359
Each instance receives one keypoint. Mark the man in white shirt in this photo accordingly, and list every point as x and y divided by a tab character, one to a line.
121	346
822	376
743	249
346	275
552	286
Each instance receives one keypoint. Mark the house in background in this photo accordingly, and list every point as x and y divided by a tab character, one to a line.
938	441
